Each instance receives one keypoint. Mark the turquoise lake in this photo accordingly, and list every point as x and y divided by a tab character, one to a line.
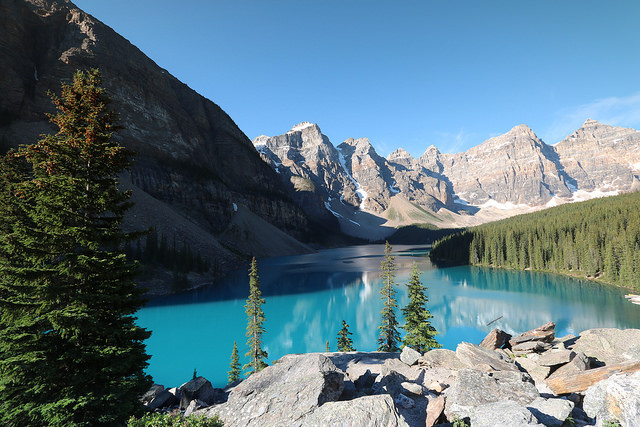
307	297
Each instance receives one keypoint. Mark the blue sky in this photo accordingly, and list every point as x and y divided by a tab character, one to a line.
402	73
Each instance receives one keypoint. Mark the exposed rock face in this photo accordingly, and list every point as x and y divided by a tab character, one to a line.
374	411
503	413
192	158
310	166
370	171
601	157
614	399
516	167
609	345
289	390
421	185
475	388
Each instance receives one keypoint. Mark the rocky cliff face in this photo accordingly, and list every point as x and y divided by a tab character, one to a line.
192	157
516	168
601	157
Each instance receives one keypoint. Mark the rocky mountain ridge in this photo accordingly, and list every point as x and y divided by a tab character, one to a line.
512	173
193	164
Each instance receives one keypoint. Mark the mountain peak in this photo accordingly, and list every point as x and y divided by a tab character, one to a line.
590	123
303	125
400	153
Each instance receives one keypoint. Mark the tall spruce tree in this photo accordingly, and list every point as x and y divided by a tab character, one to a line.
70	351
344	342
234	367
389	337
420	334
255	320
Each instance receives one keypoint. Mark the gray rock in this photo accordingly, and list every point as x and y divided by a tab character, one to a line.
609	345
350	391
199	388
158	397
531	365
473	388
395	365
370	411
412	388
495	339
579	363
616	398
502	413
555	358
404	401
477	357
282	394
551	412
409	356
544	333
441	357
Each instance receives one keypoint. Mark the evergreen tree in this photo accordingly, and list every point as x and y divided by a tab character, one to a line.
420	334
234	367
70	351
255	319
344	342
389	336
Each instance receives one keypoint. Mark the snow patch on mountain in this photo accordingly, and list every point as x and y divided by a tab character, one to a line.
359	190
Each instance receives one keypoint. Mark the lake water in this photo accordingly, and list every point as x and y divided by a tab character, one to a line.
307	297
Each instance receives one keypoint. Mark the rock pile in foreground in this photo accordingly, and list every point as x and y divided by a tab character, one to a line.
533	379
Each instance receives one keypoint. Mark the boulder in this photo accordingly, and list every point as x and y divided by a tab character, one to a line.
495	339
395	365
157	397
441	357
409	356
555	358
435	407
551	412
531	365
564	342
609	345
475	357
412	388
502	413
474	388
578	382
580	362
616	398
544	333
199	388
284	393
370	411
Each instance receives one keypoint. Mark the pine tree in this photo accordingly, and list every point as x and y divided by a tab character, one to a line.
389	336
234	367
344	342
70	351
420	334
255	319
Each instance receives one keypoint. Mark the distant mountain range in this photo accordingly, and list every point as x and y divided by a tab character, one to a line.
510	174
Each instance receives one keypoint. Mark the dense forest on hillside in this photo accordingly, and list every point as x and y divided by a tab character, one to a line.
595	239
